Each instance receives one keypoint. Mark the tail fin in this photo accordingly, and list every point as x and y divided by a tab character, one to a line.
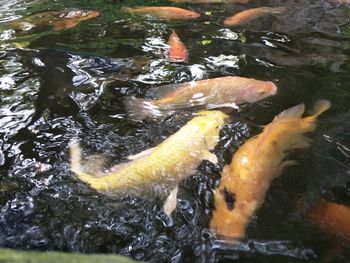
278	10
140	109
75	157
75	161
321	106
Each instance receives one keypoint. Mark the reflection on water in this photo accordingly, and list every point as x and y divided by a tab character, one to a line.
56	86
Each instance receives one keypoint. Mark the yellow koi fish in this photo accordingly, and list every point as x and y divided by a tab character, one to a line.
257	162
167	164
162	12
250	15
210	93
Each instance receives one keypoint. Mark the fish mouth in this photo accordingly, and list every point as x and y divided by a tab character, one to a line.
93	14
273	89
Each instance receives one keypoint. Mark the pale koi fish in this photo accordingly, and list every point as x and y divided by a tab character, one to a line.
250	15
177	50
257	162
162	12
209	93
165	165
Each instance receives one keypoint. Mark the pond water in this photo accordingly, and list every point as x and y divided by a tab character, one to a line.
59	85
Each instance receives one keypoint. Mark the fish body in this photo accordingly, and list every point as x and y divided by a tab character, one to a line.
163	12
211	1
177	50
257	162
332	218
168	163
210	93
58	20
250	15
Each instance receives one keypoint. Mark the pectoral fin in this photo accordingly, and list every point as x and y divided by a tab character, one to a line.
223	105
210	157
140	155
171	201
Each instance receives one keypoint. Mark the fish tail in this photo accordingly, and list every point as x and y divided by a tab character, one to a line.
321	106
126	9
140	109
278	10
75	162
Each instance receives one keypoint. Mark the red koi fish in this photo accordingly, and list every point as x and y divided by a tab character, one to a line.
332	218
247	16
58	20
177	50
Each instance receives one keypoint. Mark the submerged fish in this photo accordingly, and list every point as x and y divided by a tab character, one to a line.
177	50
167	164
257	162
211	93
211	1
58	20
250	15
332	218
162	12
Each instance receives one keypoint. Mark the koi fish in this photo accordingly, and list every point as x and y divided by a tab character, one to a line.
162	12
332	218
177	50
211	1
211	93
167	164
257	162
250	15
58	20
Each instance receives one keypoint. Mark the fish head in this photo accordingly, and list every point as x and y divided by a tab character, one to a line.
210	123
92	14
194	15
259	91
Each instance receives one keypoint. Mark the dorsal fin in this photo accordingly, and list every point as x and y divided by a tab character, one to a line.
293	112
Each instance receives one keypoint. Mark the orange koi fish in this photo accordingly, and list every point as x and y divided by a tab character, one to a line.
59	20
209	93
250	15
332	218
257	162
211	1
162	12
177	50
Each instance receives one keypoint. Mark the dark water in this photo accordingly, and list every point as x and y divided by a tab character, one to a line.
71	84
